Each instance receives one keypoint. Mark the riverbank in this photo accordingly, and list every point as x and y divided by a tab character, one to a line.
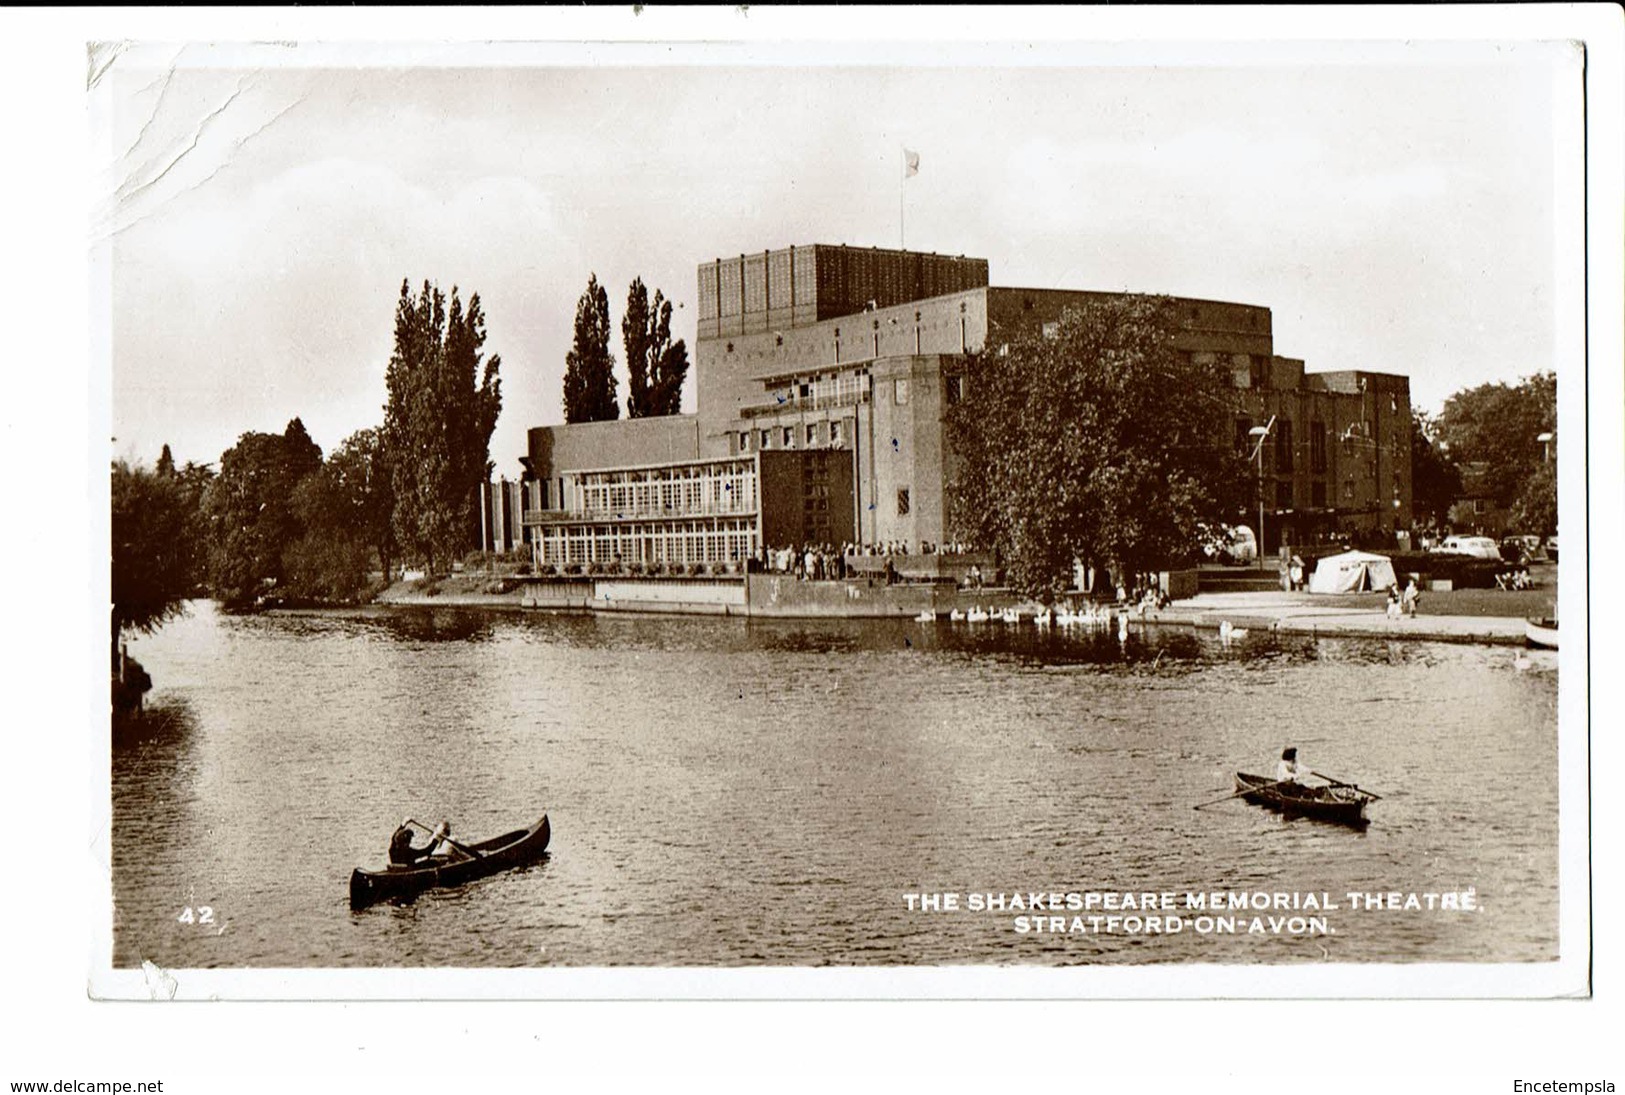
1326	616
1288	613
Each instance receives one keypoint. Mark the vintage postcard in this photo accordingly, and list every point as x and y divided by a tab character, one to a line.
1086	517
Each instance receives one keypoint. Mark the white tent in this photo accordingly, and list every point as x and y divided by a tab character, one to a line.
1351	572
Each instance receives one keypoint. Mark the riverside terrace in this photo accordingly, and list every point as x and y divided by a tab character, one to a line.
1463	616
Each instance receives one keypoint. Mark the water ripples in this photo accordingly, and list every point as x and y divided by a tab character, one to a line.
732	792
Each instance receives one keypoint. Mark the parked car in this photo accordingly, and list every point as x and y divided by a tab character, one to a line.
1479	547
1551	547
1243	546
1235	545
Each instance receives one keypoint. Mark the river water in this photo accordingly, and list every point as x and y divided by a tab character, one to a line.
726	792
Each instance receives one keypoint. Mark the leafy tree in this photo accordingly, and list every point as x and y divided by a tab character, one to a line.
329	562
589	367
1102	444
656	365
1498	426
250	513
1535	510
442	409
1435	479
151	549
365	486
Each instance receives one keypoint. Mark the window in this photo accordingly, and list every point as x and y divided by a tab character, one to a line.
1317	495
789	437
835	431
1317	448
1244	439
812	433
954	389
1283	494
900	390
744	441
765	437
902	501
1283	444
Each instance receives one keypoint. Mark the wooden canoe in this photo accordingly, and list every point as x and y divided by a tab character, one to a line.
1542	633
502	853
1340	804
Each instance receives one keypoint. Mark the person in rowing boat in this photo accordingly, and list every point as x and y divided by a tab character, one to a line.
444	847
1288	770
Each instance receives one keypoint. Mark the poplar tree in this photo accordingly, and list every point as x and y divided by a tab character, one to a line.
656	365
589	367
443	406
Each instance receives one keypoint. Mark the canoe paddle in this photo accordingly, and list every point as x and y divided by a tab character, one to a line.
465	849
1243	791
1340	783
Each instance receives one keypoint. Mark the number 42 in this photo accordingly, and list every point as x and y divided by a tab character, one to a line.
204	914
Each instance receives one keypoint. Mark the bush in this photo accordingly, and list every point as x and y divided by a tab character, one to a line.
572	568
500	586
522	570
477	560
547	570
696	569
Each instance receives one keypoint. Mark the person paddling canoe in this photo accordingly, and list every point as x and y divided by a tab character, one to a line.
403	853
444	846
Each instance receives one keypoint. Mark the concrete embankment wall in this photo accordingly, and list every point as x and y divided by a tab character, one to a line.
723	597
767	595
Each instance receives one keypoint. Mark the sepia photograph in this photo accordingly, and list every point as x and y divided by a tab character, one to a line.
735	506
574	512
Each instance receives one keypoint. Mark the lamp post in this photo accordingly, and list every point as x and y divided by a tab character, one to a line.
1259	433
1545	440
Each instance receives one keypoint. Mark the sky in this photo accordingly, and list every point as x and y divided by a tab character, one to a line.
257	207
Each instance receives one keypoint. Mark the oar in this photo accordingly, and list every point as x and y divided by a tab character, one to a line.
1243	791
436	833
1340	783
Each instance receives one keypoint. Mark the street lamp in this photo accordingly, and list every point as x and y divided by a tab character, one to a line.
1259	433
1545	440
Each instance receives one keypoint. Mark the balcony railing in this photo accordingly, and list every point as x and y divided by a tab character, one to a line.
796	404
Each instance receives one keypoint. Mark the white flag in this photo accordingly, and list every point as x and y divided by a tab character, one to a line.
911	163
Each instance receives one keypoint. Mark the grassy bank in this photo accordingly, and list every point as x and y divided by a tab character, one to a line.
1520	603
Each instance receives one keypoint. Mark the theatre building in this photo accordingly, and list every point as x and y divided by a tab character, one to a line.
822	376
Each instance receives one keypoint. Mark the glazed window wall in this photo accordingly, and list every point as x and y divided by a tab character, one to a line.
699	540
710	489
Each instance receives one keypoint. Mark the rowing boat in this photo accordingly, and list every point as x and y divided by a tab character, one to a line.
1542	632
1340	803
502	853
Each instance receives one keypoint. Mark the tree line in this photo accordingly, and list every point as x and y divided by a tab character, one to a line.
275	520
